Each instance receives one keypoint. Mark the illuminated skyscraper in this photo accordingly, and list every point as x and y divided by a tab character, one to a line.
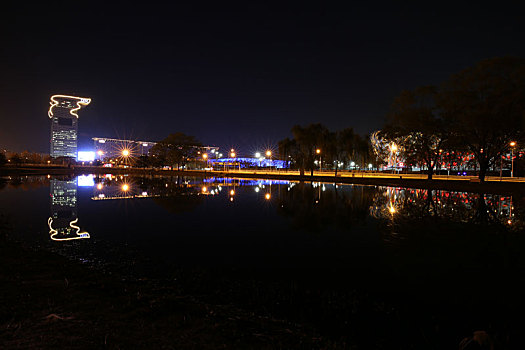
64	124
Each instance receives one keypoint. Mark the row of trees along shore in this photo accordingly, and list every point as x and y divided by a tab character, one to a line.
478	113
24	158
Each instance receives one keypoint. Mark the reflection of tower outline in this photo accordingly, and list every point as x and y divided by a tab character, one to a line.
53	233
64	211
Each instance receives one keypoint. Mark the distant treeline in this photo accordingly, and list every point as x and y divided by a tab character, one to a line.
24	158
476	116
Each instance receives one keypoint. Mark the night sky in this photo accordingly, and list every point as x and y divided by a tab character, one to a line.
233	77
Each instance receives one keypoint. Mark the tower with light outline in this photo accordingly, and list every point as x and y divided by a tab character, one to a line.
63	112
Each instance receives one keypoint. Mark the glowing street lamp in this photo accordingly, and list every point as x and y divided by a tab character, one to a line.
268	153
125	187
512	145
393	150
318	151
125	152
257	155
205	157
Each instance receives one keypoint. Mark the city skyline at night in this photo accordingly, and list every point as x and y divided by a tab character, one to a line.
233	78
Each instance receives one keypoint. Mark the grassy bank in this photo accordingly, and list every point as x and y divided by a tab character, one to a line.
50	302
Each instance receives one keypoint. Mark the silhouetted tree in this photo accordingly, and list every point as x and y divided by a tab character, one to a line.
288	150
15	159
484	106
308	139
415	122
176	149
3	159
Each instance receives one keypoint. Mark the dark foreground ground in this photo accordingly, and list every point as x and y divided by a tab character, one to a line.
47	302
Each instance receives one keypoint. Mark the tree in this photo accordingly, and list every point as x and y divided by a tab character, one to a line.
3	159
415	122
287	150
343	146
15	159
176	149
485	107
308	139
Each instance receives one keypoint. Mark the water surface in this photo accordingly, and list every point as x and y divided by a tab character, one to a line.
396	265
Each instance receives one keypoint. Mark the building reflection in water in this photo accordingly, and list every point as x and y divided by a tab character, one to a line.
63	222
315	206
455	206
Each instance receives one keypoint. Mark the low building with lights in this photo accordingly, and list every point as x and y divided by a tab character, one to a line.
107	148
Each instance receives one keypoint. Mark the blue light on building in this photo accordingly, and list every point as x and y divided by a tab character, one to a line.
250	162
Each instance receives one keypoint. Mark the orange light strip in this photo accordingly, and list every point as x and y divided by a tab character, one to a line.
81	101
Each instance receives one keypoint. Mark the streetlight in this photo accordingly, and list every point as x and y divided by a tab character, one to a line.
393	150
269	156
125	152
205	157
512	144
318	151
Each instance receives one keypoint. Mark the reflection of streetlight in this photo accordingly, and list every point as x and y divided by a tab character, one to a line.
204	189
391	209
267	196
512	144
232	193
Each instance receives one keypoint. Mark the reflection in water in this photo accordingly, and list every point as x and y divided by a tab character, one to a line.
63	219
310	206
317	206
477	208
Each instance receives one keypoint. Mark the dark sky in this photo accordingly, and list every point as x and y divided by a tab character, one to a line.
233	77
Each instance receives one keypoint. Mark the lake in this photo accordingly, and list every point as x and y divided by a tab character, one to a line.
363	264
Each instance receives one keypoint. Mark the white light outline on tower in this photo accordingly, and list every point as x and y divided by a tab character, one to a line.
82	101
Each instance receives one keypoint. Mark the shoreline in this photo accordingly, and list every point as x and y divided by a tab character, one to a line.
452	183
